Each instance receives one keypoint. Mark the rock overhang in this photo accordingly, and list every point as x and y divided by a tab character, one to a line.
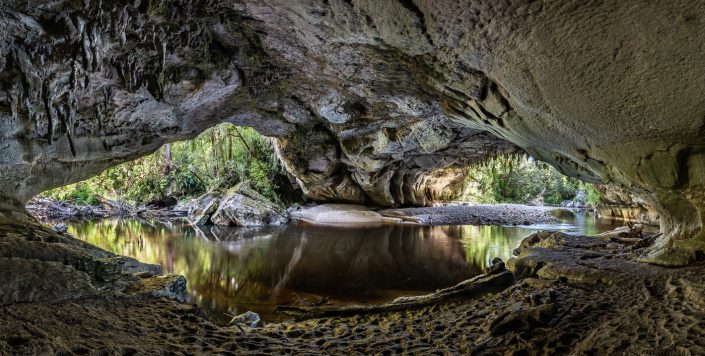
367	98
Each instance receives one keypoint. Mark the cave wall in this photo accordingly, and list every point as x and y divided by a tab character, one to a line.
85	86
89	85
367	99
604	91
617	203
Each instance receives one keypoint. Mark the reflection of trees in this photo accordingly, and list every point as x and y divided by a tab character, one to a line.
362	261
232	269
482	243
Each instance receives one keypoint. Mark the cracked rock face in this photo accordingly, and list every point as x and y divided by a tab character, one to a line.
369	101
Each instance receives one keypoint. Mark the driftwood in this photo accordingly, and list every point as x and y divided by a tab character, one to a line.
116	207
493	282
52	209
631	233
161	214
647	241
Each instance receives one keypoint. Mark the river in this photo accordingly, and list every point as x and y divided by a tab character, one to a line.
231	270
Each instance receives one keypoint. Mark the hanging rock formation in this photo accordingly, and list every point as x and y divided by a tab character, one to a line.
89	85
368	100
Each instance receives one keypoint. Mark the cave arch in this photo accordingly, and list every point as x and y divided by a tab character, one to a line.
607	97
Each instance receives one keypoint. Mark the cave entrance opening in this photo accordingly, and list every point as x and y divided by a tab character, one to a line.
231	270
219	158
520	179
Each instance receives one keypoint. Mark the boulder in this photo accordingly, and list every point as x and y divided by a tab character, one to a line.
249	318
201	209
171	287
61	228
333	214
243	206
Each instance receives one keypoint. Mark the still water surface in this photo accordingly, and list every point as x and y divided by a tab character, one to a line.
231	270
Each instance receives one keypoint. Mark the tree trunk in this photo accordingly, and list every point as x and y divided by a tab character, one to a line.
167	159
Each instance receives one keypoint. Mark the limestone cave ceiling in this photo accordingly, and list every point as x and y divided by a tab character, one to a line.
368	100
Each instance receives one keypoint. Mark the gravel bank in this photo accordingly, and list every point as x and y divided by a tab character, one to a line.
499	214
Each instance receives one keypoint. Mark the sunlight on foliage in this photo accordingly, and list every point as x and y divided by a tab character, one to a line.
218	158
522	179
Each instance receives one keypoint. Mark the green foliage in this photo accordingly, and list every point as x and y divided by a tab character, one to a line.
512	179
592	195
156	8
78	194
219	158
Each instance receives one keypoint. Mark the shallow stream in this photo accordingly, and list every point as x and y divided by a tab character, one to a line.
231	270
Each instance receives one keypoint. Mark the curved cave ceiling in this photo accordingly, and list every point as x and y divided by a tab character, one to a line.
368	100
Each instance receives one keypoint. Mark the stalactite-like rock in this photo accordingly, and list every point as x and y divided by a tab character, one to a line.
369	100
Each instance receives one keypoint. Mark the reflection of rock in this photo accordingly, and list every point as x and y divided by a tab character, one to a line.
243	206
367	260
234	233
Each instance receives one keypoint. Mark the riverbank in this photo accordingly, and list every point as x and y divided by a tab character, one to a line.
574	294
484	214
50	209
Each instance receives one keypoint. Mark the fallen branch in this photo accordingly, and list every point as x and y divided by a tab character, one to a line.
475	287
648	241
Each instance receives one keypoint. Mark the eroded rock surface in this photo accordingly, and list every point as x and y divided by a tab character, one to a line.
86	86
42	265
370	101
619	204
202	208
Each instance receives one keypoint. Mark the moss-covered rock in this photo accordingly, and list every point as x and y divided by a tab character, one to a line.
243	206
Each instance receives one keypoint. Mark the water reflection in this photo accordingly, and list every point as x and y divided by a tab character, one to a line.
232	270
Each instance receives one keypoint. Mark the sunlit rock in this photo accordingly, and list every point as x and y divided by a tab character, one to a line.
243	206
338	214
202	208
